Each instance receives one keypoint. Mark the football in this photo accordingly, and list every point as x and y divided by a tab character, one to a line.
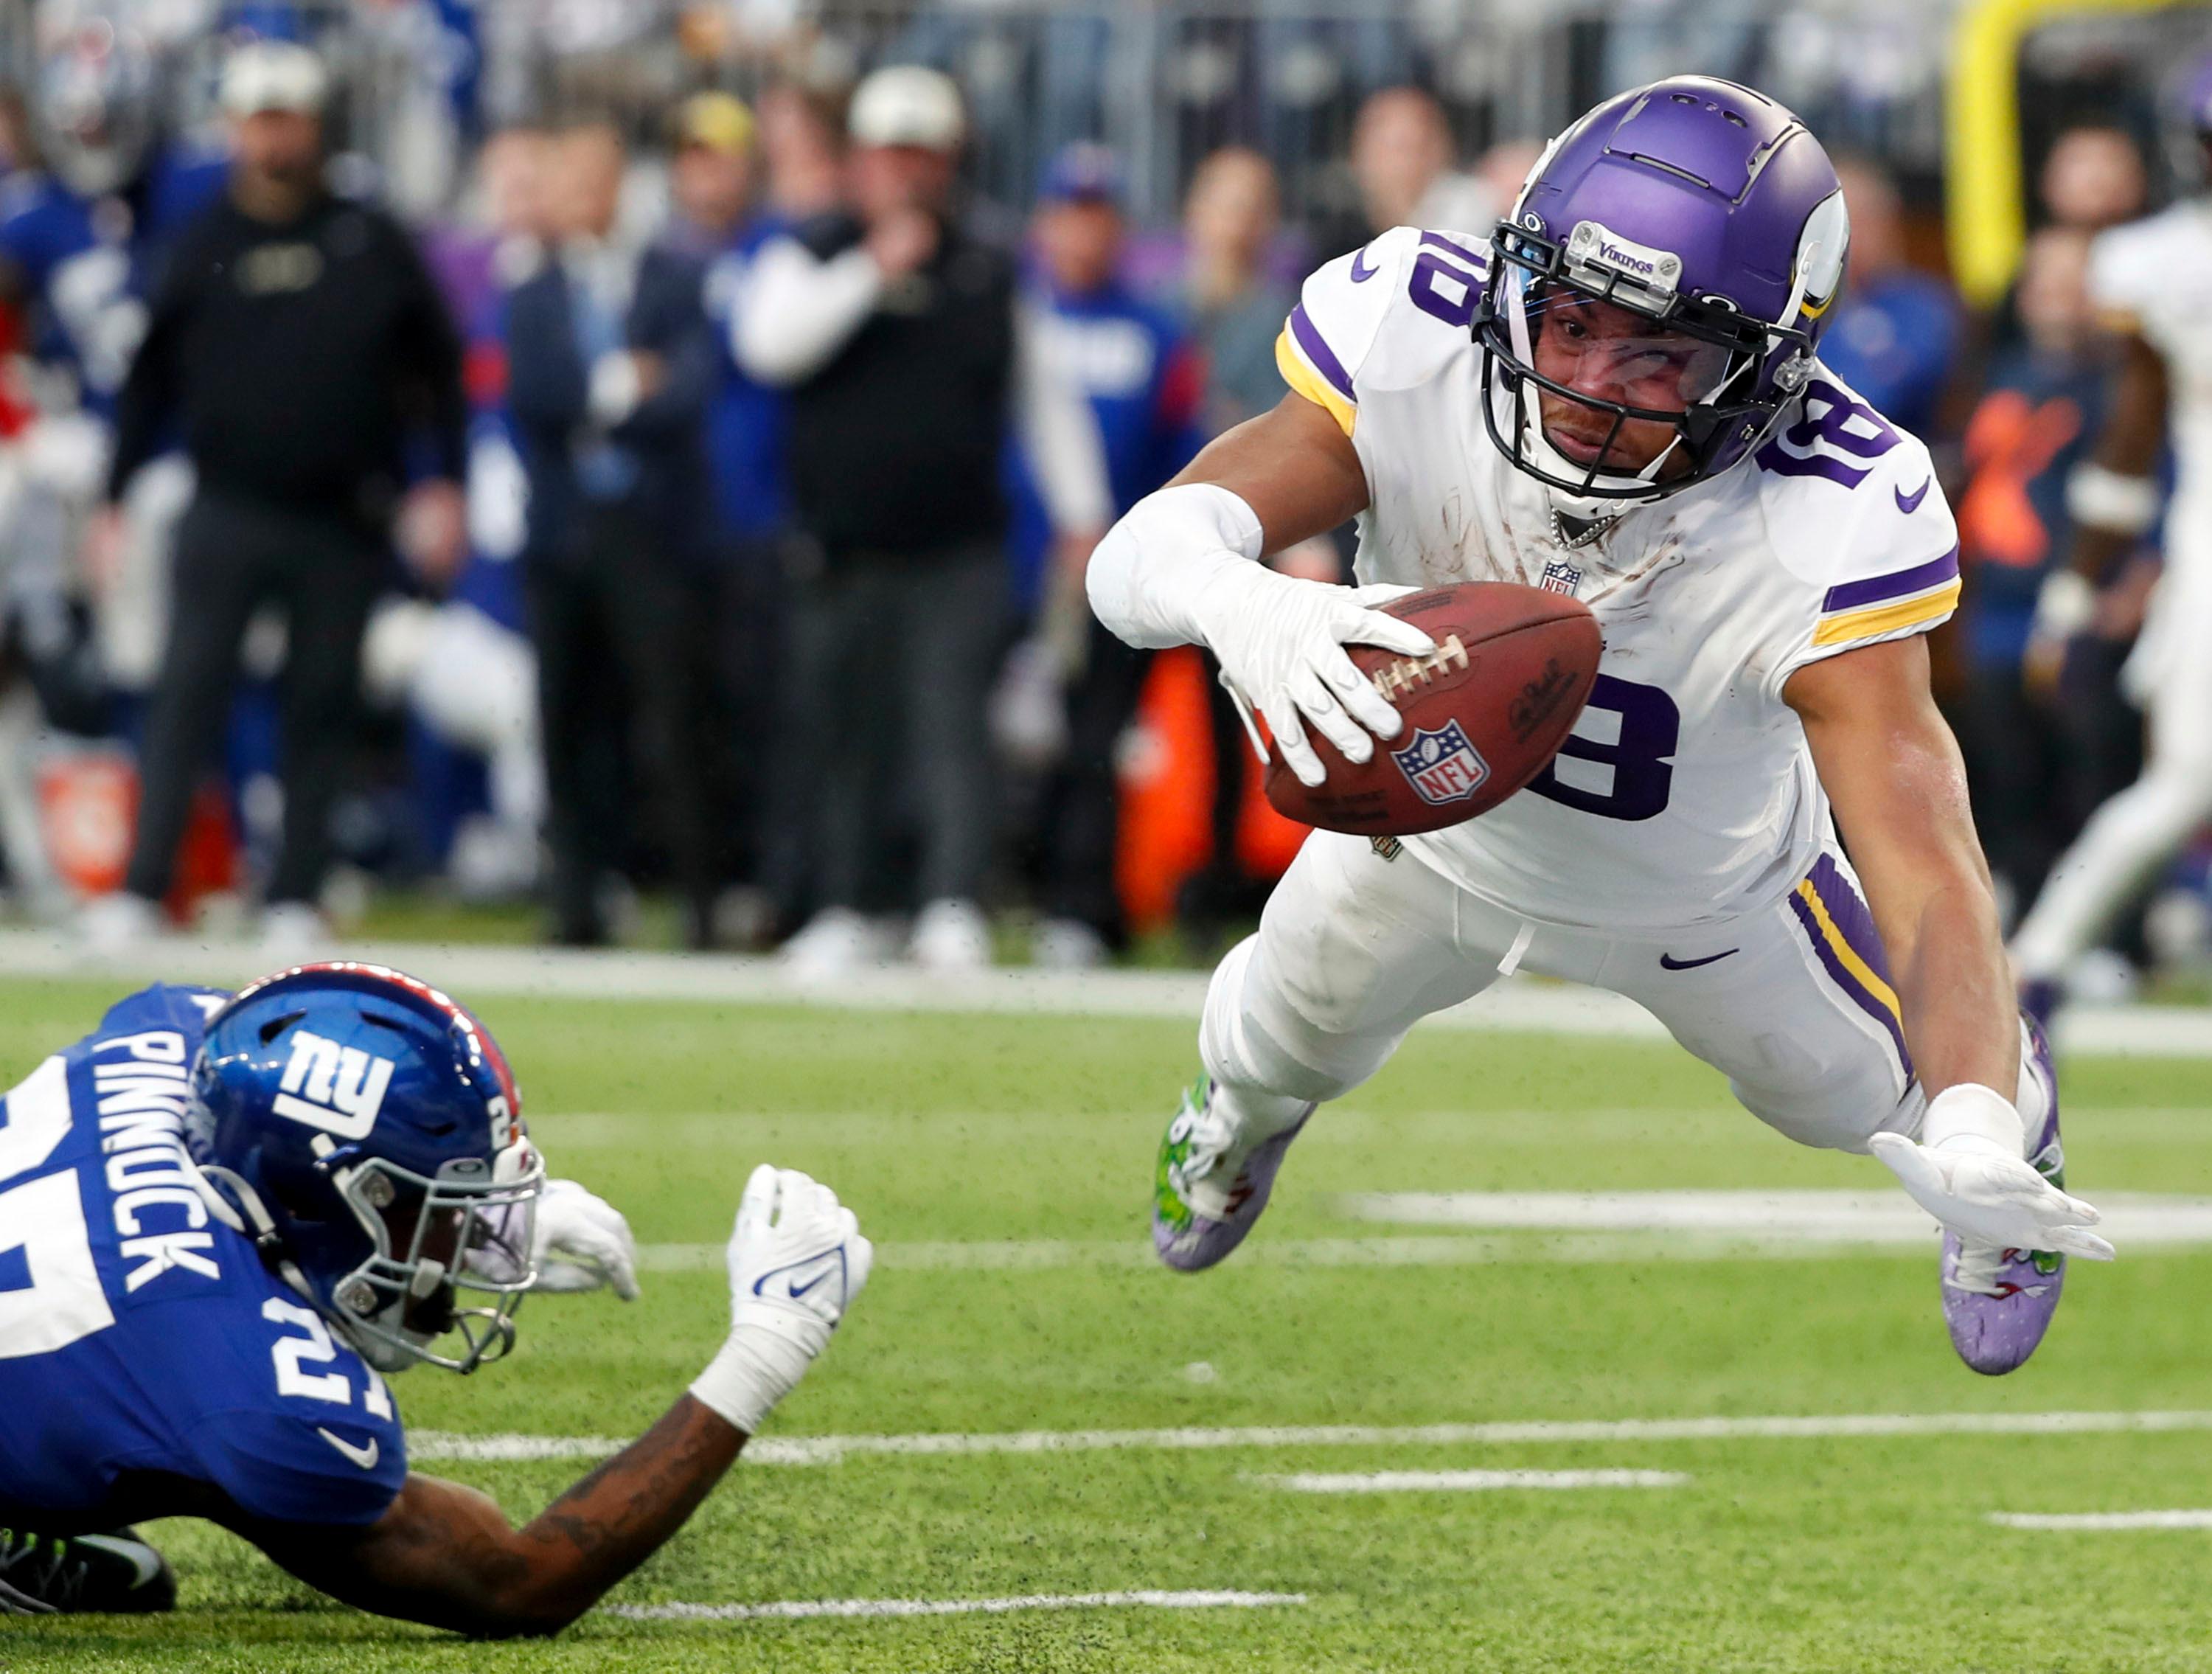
1484	713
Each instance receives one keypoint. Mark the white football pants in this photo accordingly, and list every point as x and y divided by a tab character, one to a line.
1792	1004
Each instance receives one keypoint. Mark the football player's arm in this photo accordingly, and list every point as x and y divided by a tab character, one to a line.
1892	769
446	1556
2113	498
1893	772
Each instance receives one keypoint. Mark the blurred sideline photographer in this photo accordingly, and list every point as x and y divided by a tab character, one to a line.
611	365
299	346
896	328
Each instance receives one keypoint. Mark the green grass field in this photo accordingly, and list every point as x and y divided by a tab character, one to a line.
1842	1553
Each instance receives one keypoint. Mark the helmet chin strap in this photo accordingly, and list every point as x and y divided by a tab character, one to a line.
246	1212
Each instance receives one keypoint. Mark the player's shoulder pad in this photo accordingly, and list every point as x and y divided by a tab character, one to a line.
183	1007
1856	522
1326	350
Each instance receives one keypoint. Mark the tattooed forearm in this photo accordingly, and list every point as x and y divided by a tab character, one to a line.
444	1553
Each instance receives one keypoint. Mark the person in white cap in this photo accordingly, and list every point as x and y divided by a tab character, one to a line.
297	347
897	327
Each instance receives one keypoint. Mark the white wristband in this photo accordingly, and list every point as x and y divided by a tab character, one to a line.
1146	576
756	1369
1973	1118
2100	497
2064	605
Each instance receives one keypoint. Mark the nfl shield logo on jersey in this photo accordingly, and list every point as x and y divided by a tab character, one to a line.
1441	766
1561	577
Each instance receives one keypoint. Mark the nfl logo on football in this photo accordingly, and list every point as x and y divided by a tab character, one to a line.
1441	766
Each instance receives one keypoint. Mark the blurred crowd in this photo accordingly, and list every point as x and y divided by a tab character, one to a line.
692	501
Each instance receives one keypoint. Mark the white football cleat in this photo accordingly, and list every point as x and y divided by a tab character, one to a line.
119	923
833	943
950	936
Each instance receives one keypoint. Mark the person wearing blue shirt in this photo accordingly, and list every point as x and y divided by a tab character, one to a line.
226	1218
1145	381
1897	337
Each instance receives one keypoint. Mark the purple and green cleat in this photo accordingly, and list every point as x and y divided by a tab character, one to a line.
1998	1302
1206	1191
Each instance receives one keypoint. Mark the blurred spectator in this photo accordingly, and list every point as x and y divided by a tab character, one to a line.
1144	378
802	153
1403	159
298	344
715	184
2093	178
612	364
2042	406
896	328
1897	337
1230	220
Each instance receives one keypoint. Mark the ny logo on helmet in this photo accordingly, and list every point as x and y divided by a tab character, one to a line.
337	1088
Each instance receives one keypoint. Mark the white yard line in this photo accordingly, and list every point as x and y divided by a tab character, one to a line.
2093	1520
1518	1003
795	1608
1465	1481
830	1449
2132	1220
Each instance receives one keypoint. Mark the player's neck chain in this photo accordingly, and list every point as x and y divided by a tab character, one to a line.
1574	532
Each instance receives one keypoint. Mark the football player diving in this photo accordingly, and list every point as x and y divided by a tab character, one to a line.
225	1218
1616	393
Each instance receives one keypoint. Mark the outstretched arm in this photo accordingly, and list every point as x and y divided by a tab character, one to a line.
446	1556
1891	768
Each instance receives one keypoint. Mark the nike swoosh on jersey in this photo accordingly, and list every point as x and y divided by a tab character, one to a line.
1668	962
145	1563
363	1457
1361	275
1909	503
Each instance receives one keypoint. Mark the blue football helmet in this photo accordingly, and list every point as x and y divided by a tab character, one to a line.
367	1132
1713	214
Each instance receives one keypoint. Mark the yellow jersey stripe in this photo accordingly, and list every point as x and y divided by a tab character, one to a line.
1846	955
1310	384
1887	618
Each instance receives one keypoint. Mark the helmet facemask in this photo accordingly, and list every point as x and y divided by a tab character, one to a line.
468	1228
1694	370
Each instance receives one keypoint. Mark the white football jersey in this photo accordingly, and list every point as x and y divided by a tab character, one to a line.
2157	276
1686	793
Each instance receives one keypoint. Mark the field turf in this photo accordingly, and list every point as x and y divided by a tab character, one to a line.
1855	1554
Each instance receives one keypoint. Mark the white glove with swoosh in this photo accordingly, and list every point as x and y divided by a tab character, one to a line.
797	1259
1280	643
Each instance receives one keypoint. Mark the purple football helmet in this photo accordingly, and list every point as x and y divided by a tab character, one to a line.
1704	207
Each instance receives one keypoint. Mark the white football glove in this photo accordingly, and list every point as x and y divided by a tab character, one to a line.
578	1241
797	1259
1280	643
582	1242
1971	1177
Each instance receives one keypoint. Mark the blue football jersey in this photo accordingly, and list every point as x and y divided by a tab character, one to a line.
138	1332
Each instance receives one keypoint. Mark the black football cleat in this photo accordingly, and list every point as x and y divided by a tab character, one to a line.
73	1574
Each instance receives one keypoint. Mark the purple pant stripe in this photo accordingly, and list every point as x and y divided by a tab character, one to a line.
1854	924
1851	595
1323	356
